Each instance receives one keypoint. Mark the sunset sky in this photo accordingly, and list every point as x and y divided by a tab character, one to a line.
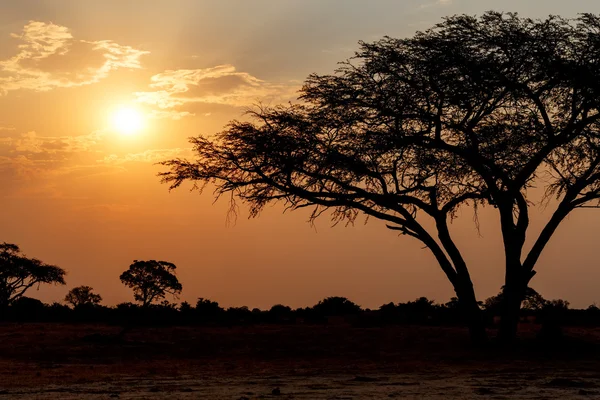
94	93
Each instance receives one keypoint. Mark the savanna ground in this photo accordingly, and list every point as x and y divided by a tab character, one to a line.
62	361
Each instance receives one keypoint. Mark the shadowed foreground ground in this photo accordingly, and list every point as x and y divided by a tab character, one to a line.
49	361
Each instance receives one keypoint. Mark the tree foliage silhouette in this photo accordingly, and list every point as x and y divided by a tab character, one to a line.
472	112
82	296
19	273
208	310
336	306
532	301
151	280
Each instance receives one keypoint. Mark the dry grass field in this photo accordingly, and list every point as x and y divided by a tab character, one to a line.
60	361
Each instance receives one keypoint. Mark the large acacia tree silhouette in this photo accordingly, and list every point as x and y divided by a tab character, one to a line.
475	111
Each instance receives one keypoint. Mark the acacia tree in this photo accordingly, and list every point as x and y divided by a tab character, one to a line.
151	280
472	112
19	273
82	296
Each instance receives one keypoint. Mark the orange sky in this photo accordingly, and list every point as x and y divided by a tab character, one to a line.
79	194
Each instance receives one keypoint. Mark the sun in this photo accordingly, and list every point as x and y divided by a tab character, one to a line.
127	121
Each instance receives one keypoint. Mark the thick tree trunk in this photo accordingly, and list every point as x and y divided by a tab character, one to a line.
511	308
3	311
476	322
472	314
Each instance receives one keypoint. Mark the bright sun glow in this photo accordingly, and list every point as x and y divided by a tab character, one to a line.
127	121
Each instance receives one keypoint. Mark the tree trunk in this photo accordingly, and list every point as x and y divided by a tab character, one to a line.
473	315
3	311
511	308
476	323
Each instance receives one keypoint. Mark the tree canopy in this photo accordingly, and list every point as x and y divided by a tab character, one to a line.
82	296
336	306
474	111
151	280
18	273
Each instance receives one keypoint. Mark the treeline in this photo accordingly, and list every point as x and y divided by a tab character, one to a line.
331	310
152	281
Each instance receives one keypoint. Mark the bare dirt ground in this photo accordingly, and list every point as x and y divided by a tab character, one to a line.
59	361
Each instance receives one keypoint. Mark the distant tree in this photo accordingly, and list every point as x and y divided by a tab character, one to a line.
185	307
453	304
553	316
19	273
82	296
57	311
593	308
473	112
280	309
280	313
390	313
208	310
558	305
167	305
238	314
126	306
336	306
422	303
420	310
151	280
388	308
27	309
532	301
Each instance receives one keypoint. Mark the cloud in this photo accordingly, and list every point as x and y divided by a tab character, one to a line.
148	156
338	50
171	114
50	57
437	3
108	208
222	84
32	143
19	168
29	156
41	40
33	166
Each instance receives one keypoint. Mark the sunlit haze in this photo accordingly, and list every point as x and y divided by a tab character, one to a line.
94	94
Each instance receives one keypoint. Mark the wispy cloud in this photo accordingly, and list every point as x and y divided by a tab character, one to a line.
148	156
222	84
339	50
33	143
436	3
29	155
50	57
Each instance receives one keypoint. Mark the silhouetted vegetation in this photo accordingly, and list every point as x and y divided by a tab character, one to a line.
552	316
19	273
473	112
151	280
82	296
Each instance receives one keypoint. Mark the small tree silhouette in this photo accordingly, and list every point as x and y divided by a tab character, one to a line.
208	310
19	273
280	313
82	296
151	280
336	306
